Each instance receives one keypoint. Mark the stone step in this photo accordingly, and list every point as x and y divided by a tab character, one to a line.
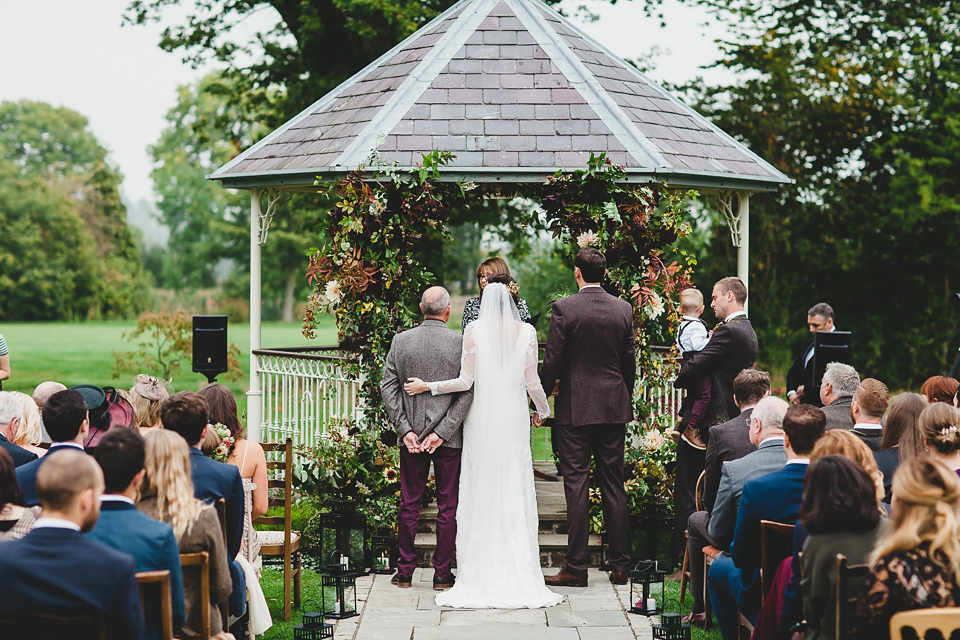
548	522
553	549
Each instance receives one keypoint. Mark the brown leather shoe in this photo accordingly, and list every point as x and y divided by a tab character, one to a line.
619	577
441	583
402	581
565	579
695	619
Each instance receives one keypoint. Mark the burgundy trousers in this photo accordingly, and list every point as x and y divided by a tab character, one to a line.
414	472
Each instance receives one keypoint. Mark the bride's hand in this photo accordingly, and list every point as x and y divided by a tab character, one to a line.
415	386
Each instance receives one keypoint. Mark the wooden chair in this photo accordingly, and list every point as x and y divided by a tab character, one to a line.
201	560
709	553
849	582
156	584
221	507
944	619
286	549
76	625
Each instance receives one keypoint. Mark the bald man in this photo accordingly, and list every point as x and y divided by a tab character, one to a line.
57	570
429	428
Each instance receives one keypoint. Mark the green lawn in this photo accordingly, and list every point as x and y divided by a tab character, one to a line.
82	352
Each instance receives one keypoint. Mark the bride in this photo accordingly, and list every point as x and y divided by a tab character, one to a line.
498	555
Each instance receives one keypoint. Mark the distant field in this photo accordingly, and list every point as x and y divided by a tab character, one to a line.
82	352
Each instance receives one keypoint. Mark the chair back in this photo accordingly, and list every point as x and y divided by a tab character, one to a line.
945	619
850	579
55	625
281	478
200	560
698	492
776	543
221	507
155	587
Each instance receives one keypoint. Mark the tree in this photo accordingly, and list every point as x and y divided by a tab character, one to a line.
61	204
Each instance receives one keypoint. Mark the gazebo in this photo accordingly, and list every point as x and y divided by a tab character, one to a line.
517	92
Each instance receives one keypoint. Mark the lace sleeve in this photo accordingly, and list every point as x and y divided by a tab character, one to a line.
468	368
532	378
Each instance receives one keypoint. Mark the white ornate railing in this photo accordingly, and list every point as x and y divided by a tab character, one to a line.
304	387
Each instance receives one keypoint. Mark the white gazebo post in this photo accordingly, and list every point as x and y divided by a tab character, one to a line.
743	250
254	394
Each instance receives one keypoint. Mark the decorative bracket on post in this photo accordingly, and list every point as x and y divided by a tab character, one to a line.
275	198
725	203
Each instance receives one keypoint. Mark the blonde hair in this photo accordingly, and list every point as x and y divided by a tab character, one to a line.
850	446
168	479
940	425
147	410
691	301
926	495
497	265
30	429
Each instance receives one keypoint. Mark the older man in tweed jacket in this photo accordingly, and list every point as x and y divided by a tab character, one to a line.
430	429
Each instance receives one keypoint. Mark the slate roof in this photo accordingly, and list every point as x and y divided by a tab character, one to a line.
516	91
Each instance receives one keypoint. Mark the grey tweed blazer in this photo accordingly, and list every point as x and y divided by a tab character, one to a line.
430	352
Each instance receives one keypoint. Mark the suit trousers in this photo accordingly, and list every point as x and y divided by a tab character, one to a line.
414	472
725	583
697	539
690	463
604	442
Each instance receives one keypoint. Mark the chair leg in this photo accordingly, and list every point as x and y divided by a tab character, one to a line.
286	590
296	581
683	571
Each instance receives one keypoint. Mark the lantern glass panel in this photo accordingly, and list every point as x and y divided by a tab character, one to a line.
343	530
383	551
646	584
651	535
339	593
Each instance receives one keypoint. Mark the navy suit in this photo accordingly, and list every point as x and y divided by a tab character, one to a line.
27	474
20	455
54	569
212	481
734	580
152	545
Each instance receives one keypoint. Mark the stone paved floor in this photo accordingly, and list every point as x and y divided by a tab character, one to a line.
596	612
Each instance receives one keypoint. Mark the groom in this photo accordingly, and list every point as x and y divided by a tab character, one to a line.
590	350
429	429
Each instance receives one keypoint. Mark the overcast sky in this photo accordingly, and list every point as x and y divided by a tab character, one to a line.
76	54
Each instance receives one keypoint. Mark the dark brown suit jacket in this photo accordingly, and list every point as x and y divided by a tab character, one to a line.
590	350
732	348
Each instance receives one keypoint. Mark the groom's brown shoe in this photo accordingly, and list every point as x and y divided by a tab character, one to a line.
443	582
565	579
619	577
402	581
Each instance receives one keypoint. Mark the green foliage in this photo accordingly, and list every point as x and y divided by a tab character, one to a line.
165	342
70	253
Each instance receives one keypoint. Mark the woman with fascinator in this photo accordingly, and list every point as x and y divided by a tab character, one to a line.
146	396
498	555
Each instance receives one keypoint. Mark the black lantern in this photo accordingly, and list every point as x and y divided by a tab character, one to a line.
313	628
651	534
670	628
383	550
339	593
643	577
343	531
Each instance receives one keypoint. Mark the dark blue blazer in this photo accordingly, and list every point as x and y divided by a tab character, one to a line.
774	496
214	480
27	474
20	455
152	545
61	569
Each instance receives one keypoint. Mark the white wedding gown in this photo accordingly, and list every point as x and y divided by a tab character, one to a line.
498	554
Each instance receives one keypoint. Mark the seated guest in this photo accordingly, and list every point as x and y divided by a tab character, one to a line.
840	382
65	417
841	514
734	578
146	396
44	390
917	564
167	494
715	528
56	569
11	497
30	427
867	408
10	413
120	454
902	439
939	389
940	426
185	413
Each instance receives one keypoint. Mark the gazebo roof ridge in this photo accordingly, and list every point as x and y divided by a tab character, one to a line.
516	92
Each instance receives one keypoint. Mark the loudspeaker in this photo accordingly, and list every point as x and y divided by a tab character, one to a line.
210	345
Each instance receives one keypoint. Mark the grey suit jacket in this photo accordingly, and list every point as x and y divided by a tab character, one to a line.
770	456
728	441
430	352
838	413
